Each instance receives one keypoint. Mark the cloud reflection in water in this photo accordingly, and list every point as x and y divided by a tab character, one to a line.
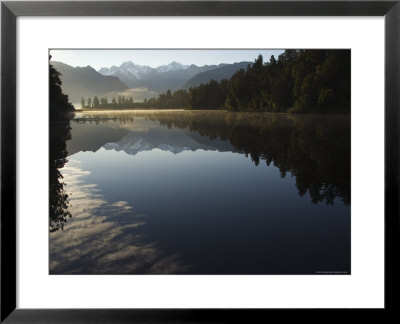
104	237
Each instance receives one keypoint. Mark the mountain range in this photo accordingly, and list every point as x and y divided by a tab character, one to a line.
139	71
78	82
138	81
166	77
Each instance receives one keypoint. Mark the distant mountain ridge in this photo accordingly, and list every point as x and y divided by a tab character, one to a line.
172	76
221	72
78	82
141	70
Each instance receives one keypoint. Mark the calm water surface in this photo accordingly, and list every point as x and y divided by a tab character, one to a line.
197	192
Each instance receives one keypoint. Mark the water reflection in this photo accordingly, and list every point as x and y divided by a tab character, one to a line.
313	149
103	236
205	193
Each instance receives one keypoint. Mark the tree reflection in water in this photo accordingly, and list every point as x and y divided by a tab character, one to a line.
315	149
60	132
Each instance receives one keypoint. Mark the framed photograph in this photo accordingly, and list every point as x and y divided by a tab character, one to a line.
198	161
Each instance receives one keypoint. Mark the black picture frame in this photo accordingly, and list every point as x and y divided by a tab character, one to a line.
10	10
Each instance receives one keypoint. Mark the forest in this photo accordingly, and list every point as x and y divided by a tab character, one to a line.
299	81
61	111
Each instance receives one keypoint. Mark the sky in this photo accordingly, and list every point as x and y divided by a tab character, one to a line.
154	58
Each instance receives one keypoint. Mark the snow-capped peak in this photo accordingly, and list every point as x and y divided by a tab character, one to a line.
139	71
127	68
173	66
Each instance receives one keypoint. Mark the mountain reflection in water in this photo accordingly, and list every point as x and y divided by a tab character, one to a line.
205	192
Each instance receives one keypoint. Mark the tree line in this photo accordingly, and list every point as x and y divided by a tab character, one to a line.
298	81
166	100
303	81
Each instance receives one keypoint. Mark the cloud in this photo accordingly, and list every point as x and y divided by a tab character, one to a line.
95	241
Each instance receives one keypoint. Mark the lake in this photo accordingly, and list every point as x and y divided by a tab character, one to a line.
202	192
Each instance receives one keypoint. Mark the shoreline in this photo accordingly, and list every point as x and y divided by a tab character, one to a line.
125	110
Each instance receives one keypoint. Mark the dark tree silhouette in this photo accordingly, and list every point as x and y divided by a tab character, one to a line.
60	131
